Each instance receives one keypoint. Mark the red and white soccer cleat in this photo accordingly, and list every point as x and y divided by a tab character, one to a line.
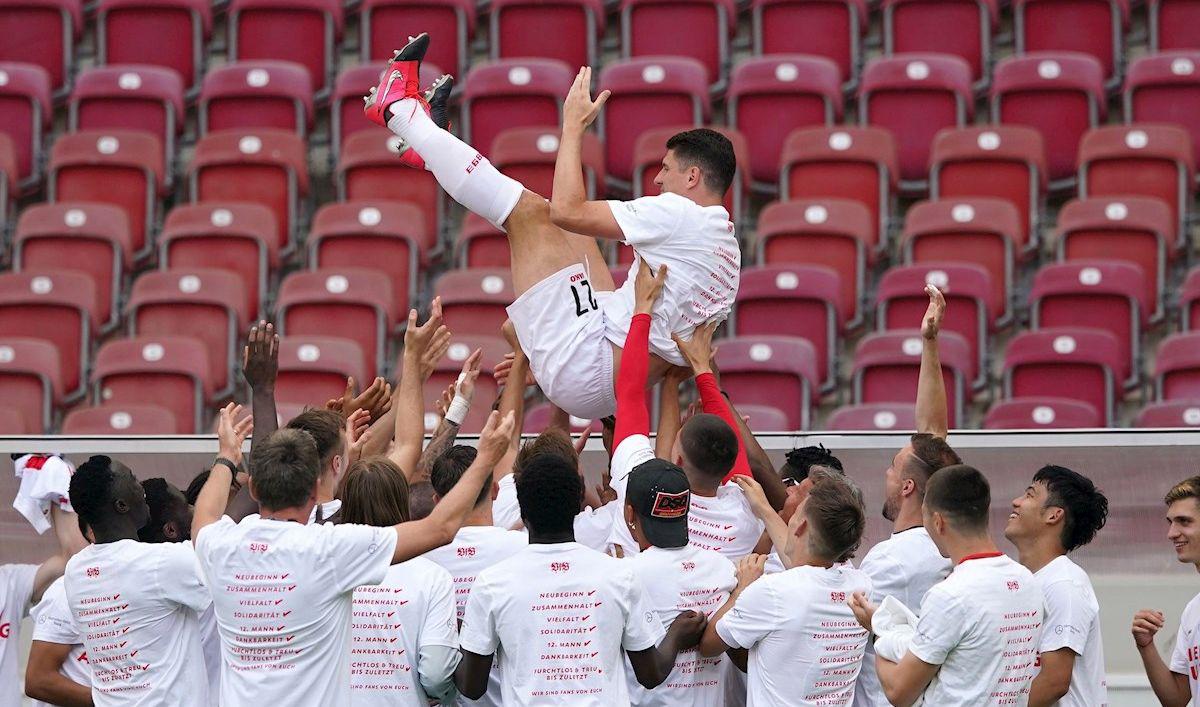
436	99
400	80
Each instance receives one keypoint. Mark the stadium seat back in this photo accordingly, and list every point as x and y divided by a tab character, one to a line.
482	245
169	371
42	33
257	94
25	114
920	26
369	171
528	155
29	381
346	303
475	301
140	419
873	416
313	369
137	97
303	31
58	306
1065	362
1172	25
565	30
886	368
1176	413
167	33
450	24
778	371
517	93
832	29
651	28
1165	89
1042	413
1092	27
1139	160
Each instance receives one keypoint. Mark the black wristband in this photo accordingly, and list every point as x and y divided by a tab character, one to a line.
228	463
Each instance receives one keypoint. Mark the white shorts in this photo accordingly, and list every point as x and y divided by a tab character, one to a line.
561	327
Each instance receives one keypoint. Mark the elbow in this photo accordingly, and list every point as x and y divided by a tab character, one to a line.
36	687
560	213
895	698
652	679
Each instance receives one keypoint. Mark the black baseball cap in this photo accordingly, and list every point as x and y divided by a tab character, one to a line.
660	495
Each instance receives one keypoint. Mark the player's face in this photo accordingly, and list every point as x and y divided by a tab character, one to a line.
796	493
134	496
672	178
1028	514
1183	529
893	483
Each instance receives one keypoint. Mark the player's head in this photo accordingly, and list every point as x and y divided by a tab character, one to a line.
328	430
1061	505
1183	519
707	448
910	470
192	492
549	492
374	491
554	441
450	467
284	471
957	499
799	464
421	500
699	161
657	499
108	498
828	525
170	513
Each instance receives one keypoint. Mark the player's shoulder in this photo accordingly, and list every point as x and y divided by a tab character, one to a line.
420	571
1191	612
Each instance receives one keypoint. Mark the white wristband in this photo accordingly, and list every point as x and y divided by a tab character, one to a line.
457	412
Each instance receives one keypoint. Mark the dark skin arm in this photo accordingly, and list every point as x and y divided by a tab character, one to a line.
260	367
653	665
760	464
471	675
43	681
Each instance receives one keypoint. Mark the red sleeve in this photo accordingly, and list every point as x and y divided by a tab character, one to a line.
633	417
715	404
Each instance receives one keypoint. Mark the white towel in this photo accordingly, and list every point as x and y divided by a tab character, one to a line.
45	480
894	626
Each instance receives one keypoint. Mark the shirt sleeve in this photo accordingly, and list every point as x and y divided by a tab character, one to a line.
436	671
52	620
885	574
754	615
642	627
940	629
438	654
649	220
478	634
506	512
18	580
359	554
180	578
1068	616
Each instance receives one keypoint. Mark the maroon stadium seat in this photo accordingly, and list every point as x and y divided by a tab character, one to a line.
1000	161
383	25
349	303
368	170
769	97
566	30
1188	296
651	148
779	371
205	304
1066	362
1042	413
1177	367
42	32
832	29
268	167
482	245
887	364
25	115
232	236
793	300
915	96
538	418
139	419
835	233
1137	230
980	231
167	33
528	154
1173	24
901	303
303	31
1165	89
872	416
171	371
474	301
389	237
346	103
1060	94
257	94
516	93
651	28
313	369
8	178
92	238
1174	413
648	93
1093	27
765	418
921	26
30	380
447	370
58	306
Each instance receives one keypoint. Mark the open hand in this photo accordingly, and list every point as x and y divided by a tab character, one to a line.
496	437
750	568
698	350
755	495
647	287
357	434
232	432
689	629
579	110
932	323
465	385
863	609
375	399
260	358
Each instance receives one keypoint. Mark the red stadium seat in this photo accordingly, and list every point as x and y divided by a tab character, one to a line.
346	103
1177	367
202	303
1000	161
835	233
92	238
139	419
1172	24
528	154
1175	413
1188	297
171	371
792	300
313	369
1166	89
872	416
771	96
268	167
25	115
30	381
257	94
1139	160
539	417
367	170
887	365
482	245
474	301
516	93
566	30
765	418
832	29
1042	413
303	31
648	93
236	237
58	306
42	32
447	370
779	371
1101	294
119	167
651	148
383	25
1066	362
385	236
348	303
167	33
915	96
1134	229
1061	95
651	28
979	231
1092	27
8	178
901	303
921	26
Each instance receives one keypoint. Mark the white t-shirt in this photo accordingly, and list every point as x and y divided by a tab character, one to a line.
1073	621
559	616
282	593
138	608
52	623
699	246
16	591
210	641
723	523
506	512
805	644
327	510
393	622
982	625
1185	659
677	580
592	526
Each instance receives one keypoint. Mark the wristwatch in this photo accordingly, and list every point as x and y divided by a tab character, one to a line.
228	463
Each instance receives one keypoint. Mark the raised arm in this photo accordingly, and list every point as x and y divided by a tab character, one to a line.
569	207
1169	687
260	367
670	416
231	434
932	415
698	352
423	346
633	417
514	375
761	468
452	418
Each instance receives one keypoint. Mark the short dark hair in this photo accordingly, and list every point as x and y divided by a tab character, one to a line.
326	428
549	492
962	494
420	500
91	489
930	453
709	150
552	440
449	468
163	509
801	460
374	491
836	519
1085	508
709	445
284	469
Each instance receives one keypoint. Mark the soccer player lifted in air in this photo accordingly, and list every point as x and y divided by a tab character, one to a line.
569	317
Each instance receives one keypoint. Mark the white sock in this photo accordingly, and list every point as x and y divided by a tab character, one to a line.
462	171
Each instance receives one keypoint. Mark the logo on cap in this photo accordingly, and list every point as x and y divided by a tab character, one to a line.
670	505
